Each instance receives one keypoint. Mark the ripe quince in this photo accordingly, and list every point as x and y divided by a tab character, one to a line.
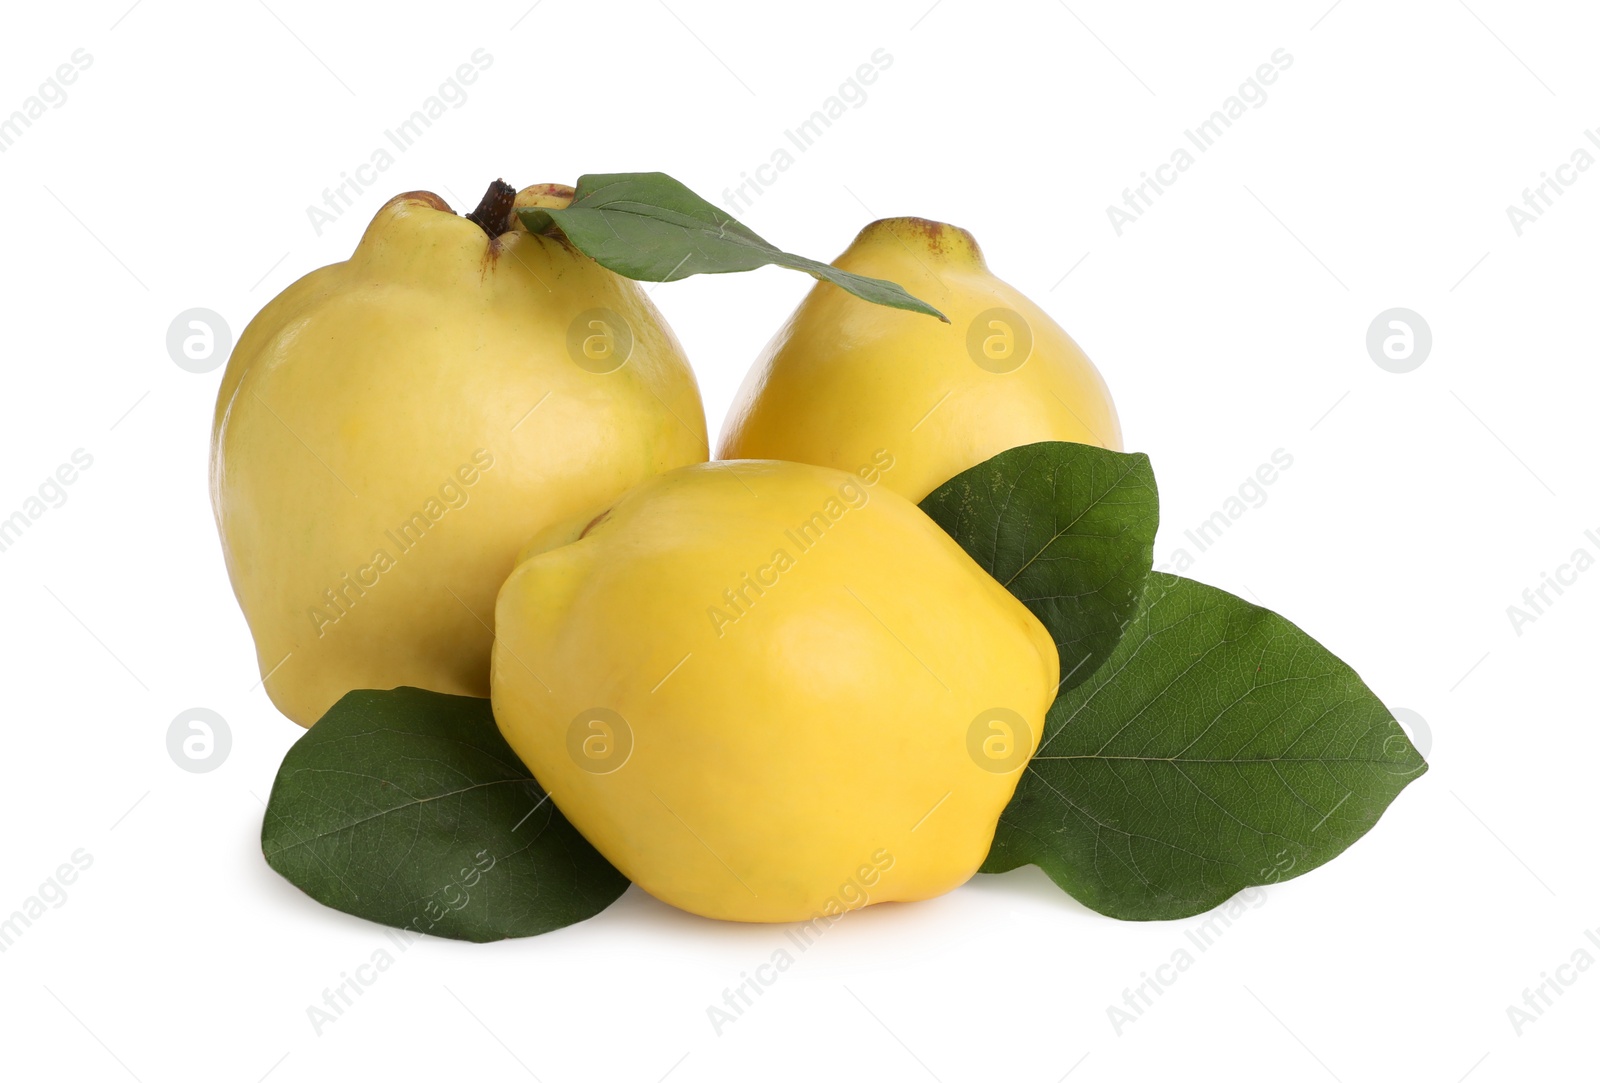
769	691
843	377
392	429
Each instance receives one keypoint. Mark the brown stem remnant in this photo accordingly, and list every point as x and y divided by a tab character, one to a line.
494	209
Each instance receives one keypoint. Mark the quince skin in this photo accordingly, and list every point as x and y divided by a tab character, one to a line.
392	429
768	691
843	377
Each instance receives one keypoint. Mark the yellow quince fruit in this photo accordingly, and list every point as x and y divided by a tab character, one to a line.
843	377
768	691
392	429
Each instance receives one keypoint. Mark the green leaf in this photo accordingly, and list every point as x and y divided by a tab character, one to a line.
649	227
1068	529
1218	747
408	808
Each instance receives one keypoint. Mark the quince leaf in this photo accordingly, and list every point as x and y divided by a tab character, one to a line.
1067	528
1219	747
650	227
408	808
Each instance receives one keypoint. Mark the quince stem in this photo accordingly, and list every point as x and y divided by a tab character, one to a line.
494	209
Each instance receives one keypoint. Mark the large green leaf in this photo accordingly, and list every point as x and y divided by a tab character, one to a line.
408	808
649	227
1068	529
1217	748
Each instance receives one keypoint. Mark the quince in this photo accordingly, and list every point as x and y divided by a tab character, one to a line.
392	429
768	691
843	377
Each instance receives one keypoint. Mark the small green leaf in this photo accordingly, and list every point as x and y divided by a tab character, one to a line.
1069	529
408	808
1218	747
649	227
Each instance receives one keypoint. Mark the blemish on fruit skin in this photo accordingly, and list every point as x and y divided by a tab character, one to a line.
427	198
939	238
596	521
933	232
491	257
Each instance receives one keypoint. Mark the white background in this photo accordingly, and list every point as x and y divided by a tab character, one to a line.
1230	321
